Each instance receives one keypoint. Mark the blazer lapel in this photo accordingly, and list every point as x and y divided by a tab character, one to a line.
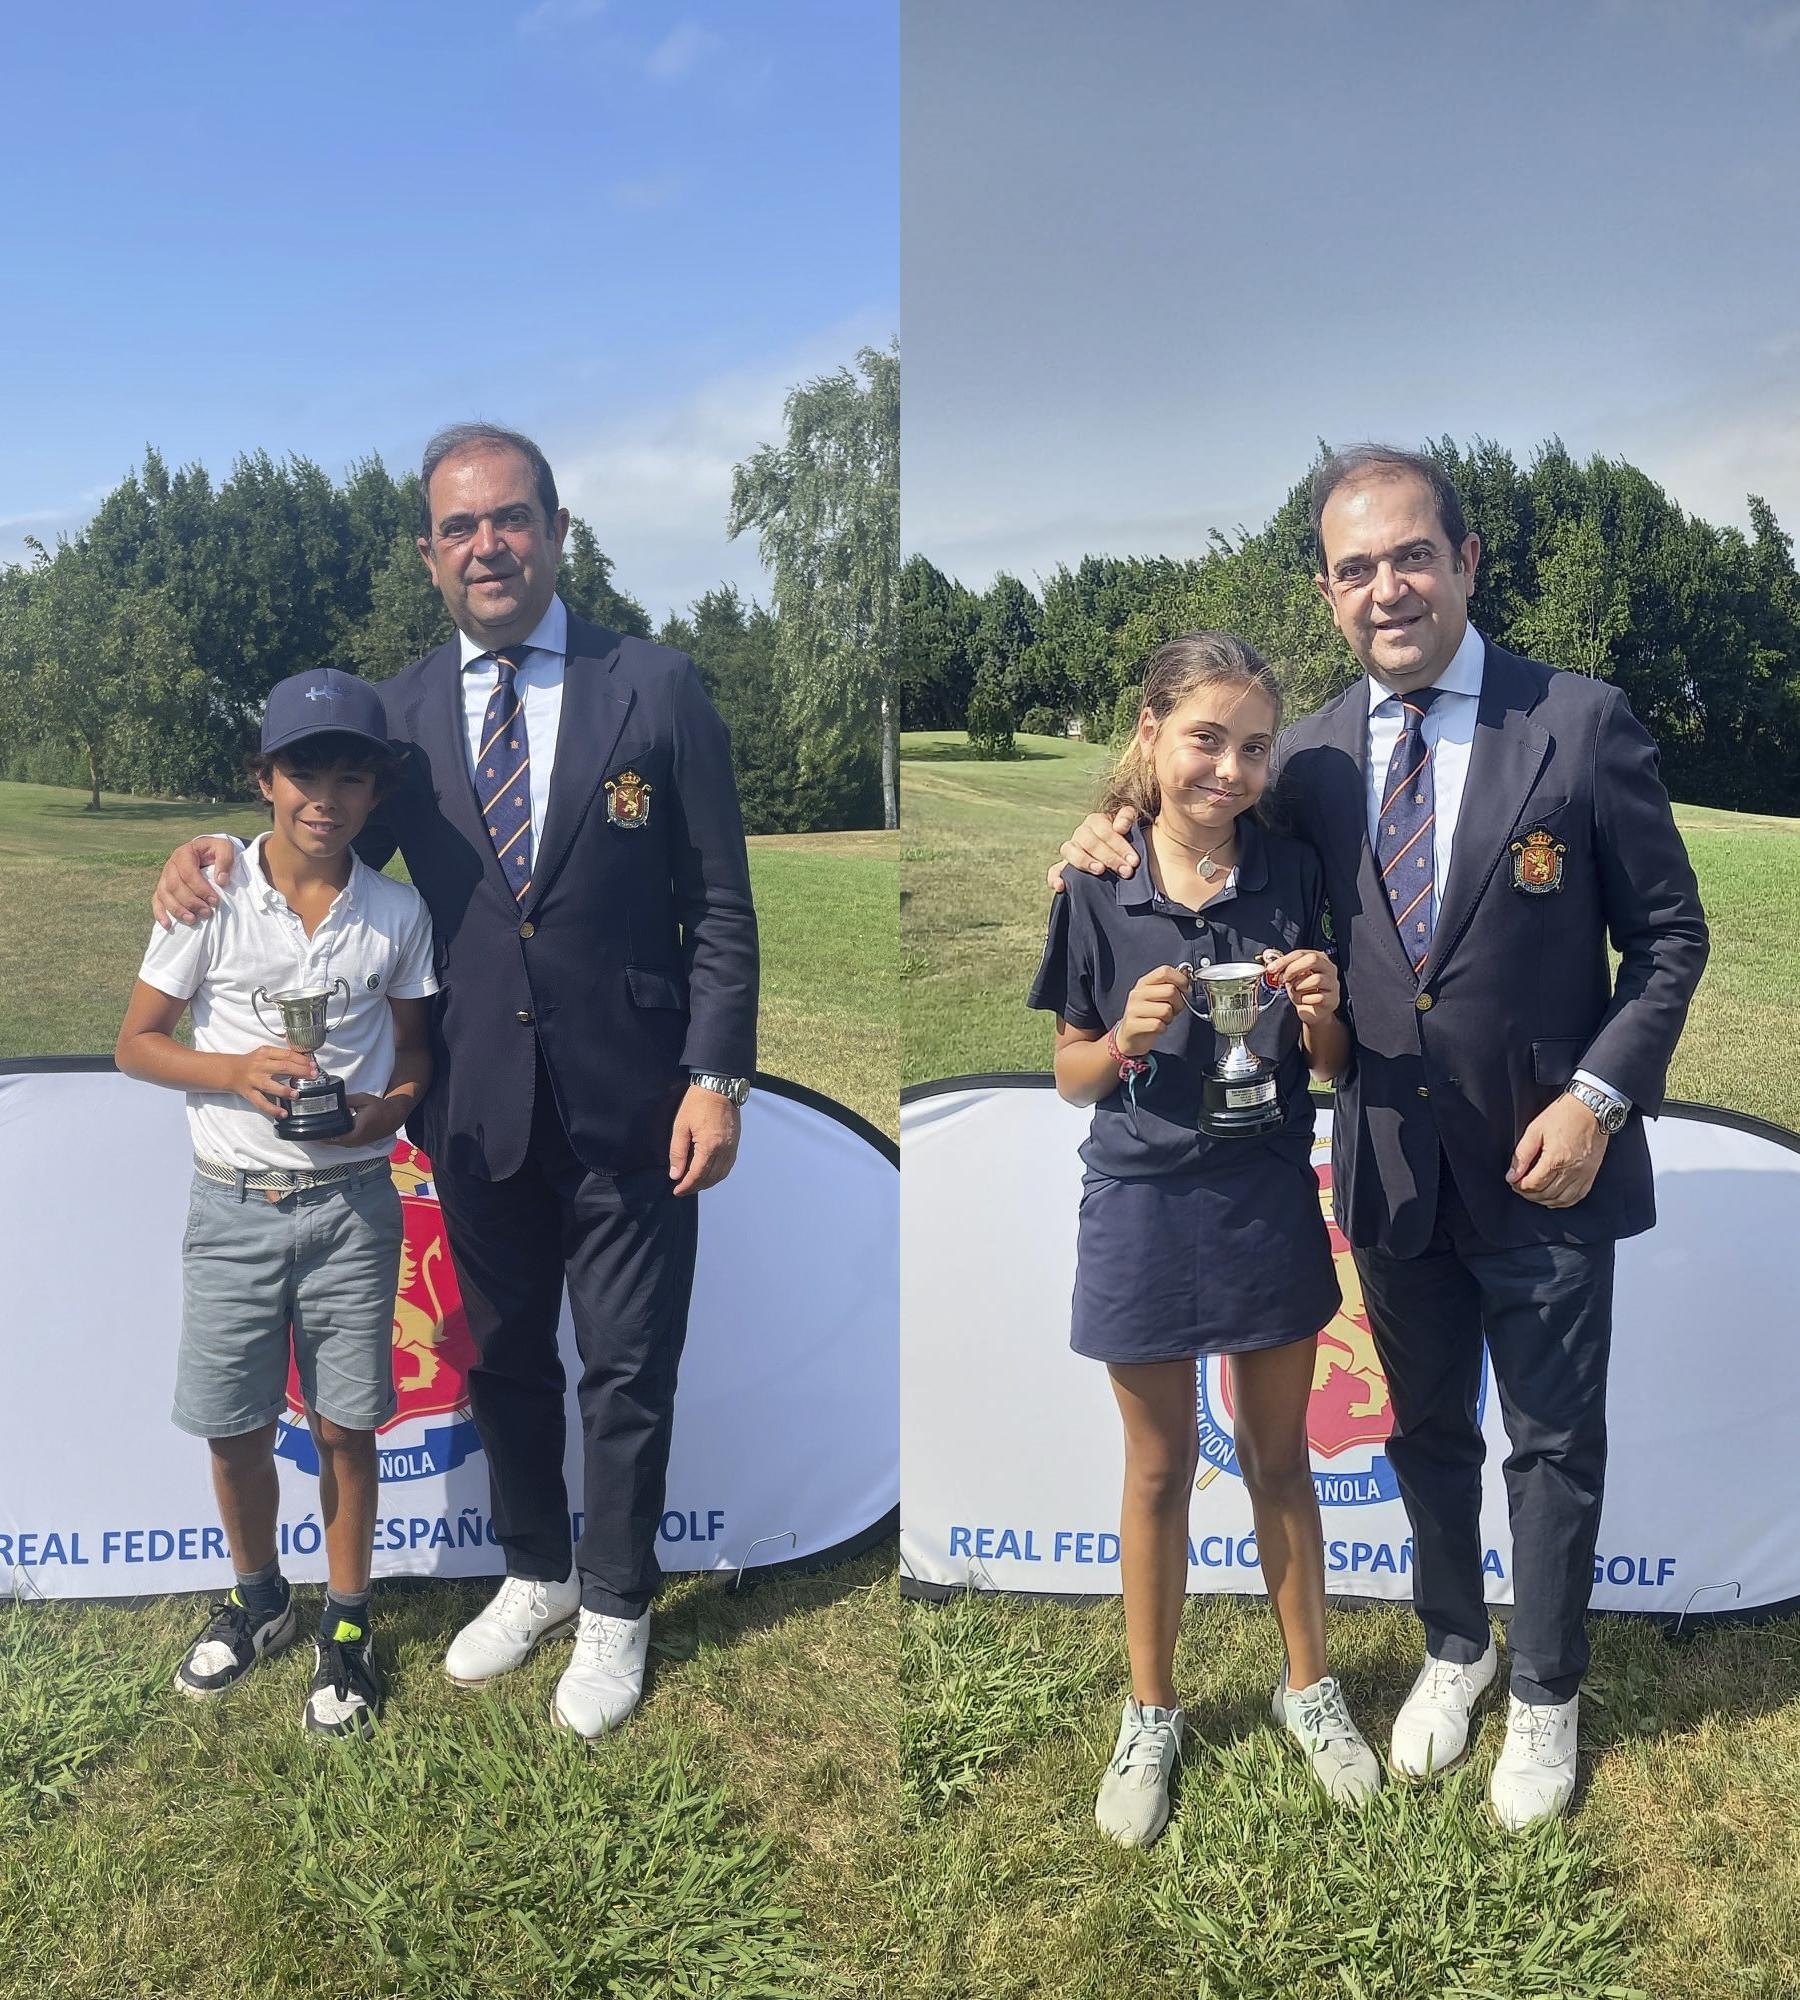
1504	762
1344	806
594	708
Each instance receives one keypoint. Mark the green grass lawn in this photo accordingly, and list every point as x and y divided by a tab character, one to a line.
738	1839
1679	1876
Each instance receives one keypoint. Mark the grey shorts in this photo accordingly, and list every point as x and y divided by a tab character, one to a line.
313	1274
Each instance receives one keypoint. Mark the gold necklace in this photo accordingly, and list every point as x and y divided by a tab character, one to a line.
1206	867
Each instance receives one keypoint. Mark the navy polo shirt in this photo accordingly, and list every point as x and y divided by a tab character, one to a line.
1106	932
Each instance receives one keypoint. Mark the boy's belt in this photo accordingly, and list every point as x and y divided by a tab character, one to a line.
283	1180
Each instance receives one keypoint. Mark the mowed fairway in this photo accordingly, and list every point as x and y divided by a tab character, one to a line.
736	1840
1679	1876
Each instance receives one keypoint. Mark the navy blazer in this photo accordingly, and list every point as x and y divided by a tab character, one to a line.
1516	995
632	958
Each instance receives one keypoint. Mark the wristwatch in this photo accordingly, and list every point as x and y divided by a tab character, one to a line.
737	1088
1611	1112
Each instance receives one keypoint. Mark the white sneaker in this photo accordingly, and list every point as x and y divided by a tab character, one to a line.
520	1616
1431	1732
604	1682
1133	1806
1534	1776
1319	1721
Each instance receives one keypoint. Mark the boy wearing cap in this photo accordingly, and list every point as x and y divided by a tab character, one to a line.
293	1239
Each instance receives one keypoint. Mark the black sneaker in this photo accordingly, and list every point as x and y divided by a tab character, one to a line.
346	1691
232	1643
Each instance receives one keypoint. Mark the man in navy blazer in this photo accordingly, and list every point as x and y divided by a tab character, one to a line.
1486	825
593	1038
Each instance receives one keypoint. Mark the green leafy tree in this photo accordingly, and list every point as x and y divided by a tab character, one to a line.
406	618
585	582
826	508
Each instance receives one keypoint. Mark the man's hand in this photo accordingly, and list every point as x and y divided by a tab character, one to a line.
183	894
375	1119
705	1140
1558	1155
1096	845
263	1078
1311	981
1152	1004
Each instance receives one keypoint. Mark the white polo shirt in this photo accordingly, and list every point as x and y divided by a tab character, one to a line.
376	937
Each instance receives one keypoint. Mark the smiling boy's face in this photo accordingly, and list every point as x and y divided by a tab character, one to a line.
320	804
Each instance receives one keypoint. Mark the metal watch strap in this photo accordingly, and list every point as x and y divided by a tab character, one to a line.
737	1088
1610	1112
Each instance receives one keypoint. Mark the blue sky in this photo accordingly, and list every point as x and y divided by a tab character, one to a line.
1153	252
626	228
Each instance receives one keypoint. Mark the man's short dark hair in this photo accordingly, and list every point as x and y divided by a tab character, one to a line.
1361	461
331	750
455	439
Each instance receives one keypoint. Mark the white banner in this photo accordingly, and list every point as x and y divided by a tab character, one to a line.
1011	1456
785	1431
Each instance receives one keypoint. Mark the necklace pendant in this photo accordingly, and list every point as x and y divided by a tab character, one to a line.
1207	868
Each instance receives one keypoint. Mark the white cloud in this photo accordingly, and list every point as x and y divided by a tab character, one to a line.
45	525
549	15
681	50
655	485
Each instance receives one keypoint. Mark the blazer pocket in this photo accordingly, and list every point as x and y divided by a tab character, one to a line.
1540	812
1556	1061
656	989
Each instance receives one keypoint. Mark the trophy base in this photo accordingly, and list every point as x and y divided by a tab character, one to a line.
317	1112
1241	1108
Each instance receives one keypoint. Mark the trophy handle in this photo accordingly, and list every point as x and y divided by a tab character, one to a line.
339	985
256	999
1202	1008
1275	992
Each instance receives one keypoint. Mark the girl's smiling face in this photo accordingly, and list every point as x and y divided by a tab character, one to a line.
1210	754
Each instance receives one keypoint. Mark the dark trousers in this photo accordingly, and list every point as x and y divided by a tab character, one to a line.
1546	1314
626	1247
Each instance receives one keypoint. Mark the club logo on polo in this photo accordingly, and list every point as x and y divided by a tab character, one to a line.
1348	1414
628	800
433	1350
1537	865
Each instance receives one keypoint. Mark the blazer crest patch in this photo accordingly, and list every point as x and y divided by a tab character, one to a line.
628	800
1537	862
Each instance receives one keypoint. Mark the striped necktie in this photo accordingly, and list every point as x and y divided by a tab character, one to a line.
1403	832
503	775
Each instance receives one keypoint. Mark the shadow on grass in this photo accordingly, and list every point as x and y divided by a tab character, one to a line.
967	753
143	809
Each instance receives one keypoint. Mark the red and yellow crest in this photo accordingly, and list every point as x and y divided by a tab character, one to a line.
628	800
433	1350
1537	865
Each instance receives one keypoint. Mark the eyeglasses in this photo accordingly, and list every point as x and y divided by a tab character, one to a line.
1361	571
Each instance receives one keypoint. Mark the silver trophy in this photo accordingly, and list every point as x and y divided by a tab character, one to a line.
1238	1098
319	1108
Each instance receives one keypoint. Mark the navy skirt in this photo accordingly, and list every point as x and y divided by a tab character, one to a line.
1191	1264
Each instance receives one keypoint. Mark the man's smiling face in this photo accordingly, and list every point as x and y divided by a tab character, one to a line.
491	553
1397	589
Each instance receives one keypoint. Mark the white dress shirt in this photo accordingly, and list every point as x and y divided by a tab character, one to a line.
540	684
1449	733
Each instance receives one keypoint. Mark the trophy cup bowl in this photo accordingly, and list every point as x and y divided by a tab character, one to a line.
319	1108
1238	1097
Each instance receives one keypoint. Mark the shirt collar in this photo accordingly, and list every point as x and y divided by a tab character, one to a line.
549	635
271	898
1461	676
1252	867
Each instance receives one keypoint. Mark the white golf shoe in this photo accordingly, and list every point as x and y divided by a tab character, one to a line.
515	1622
1133	1806
1534	1776
604	1681
1318	1719
1431	1732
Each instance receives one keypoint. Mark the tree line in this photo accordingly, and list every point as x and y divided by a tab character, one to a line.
1590	567
137	655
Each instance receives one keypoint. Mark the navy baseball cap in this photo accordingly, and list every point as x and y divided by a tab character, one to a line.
310	704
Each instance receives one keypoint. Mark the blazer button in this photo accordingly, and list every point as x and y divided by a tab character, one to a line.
528	930
1423	1092
1423	1003
525	1017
